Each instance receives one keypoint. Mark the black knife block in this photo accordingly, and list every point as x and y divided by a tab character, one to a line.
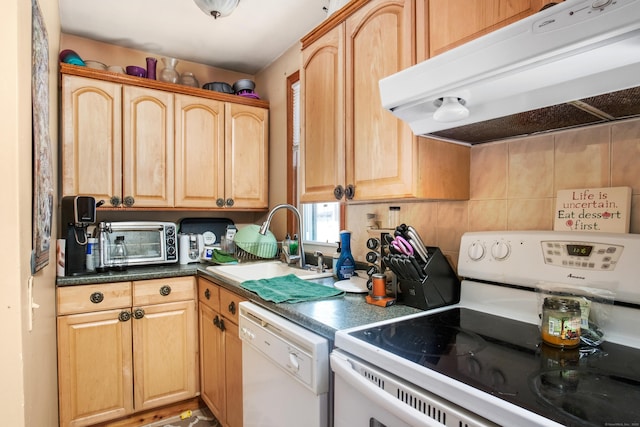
439	288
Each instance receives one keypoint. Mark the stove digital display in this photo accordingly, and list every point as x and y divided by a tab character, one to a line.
579	250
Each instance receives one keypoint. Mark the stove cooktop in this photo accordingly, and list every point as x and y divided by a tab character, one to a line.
506	358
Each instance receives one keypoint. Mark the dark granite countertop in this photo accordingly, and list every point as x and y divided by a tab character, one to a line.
324	317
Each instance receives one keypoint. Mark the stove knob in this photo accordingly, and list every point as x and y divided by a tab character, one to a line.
500	250
476	251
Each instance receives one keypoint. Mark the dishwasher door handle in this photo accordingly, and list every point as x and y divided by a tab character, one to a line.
406	413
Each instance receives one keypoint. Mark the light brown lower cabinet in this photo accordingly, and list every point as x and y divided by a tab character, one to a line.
125	347
220	352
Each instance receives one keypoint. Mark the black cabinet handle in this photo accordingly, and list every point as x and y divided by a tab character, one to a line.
96	297
138	313
232	307
165	290
124	316
338	192
207	293
350	192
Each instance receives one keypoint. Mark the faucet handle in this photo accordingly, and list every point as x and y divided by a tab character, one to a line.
320	265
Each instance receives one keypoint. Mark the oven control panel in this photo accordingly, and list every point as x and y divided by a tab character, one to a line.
581	254
527	258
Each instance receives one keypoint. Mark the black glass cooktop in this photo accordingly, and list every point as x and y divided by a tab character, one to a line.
506	358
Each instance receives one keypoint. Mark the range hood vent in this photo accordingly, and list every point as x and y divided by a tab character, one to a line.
614	106
574	64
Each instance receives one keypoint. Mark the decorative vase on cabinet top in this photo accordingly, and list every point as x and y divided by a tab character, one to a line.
188	79
169	73
151	68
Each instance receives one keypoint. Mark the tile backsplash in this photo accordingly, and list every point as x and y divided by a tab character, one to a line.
514	184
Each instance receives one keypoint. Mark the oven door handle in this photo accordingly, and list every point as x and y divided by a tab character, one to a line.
409	415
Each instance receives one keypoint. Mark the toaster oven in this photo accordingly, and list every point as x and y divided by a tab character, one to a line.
147	242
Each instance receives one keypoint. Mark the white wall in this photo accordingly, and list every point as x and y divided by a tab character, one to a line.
271	84
28	394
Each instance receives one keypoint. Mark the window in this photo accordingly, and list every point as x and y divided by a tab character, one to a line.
321	220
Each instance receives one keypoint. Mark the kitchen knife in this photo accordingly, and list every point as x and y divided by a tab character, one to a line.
412	273
418	268
422	249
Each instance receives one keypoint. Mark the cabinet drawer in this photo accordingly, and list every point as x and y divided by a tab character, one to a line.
88	298
146	292
209	294
229	305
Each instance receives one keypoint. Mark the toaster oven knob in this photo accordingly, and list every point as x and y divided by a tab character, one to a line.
165	290
138	313
96	297
115	201
124	316
128	201
220	202
230	202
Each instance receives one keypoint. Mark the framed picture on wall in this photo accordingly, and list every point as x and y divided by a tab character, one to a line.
42	163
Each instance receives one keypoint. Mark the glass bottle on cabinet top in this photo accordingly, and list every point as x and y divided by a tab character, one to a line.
169	73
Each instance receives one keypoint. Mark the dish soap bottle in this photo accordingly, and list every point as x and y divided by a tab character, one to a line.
293	245
346	265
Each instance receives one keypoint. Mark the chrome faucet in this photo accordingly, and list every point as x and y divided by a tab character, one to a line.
265	227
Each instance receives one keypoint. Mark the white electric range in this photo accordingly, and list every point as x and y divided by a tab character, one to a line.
482	362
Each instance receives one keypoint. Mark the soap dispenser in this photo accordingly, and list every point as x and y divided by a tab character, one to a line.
346	265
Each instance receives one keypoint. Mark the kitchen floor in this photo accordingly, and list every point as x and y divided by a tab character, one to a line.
198	418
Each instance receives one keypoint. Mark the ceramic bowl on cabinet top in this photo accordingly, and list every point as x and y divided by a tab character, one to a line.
134	70
97	65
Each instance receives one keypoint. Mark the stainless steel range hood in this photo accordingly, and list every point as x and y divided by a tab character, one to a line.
574	64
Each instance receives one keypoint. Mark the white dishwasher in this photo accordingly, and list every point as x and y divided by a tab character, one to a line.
285	371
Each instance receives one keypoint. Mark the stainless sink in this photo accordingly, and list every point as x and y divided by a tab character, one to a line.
264	270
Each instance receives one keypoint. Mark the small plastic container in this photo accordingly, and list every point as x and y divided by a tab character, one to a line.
561	318
394	216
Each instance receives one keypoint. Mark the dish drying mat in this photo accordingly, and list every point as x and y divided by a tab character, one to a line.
289	288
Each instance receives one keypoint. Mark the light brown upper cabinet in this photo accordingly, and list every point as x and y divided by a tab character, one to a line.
117	143
350	144
141	147
454	22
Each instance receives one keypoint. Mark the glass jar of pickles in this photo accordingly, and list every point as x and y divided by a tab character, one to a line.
561	322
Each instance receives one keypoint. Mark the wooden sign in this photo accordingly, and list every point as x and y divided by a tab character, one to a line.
605	210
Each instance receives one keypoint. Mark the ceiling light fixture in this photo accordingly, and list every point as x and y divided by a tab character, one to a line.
217	8
450	109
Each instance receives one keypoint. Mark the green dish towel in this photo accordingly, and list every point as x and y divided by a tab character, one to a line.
290	289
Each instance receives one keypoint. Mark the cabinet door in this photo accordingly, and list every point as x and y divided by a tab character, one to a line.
165	360
322	109
212	362
454	22
246	156
381	157
199	152
94	368
148	155
233	380
91	138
